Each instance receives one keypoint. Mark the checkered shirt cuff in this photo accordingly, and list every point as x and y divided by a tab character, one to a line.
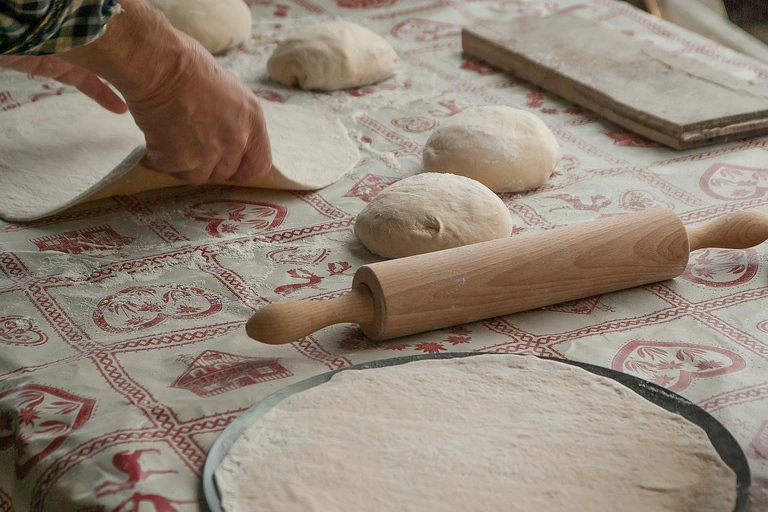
40	27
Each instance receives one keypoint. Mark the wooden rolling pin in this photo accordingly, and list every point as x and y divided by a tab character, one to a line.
455	286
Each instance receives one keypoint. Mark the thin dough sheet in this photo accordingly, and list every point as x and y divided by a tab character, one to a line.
65	150
485	433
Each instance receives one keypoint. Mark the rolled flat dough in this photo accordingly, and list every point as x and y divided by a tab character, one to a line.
67	149
486	433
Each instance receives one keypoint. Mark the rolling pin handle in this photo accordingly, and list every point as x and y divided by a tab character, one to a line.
288	321
738	230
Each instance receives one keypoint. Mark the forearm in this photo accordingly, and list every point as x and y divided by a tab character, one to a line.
139	53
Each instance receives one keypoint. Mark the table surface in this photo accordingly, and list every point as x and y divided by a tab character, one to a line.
122	348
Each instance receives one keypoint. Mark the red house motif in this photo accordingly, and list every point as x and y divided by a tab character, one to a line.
99	238
213	372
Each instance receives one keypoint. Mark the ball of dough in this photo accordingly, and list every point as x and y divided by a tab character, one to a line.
331	56
506	149
216	24
430	212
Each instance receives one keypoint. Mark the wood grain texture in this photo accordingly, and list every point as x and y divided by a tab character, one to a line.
288	321
431	291
669	98
738	230
478	281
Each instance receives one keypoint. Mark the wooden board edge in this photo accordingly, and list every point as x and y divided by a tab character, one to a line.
473	45
741	130
664	132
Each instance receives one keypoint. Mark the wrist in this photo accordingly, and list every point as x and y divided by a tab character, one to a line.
138	53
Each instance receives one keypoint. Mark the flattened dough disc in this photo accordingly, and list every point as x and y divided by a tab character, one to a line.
489	432
66	150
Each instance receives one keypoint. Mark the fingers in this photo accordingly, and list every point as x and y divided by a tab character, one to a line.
257	160
252	165
243	166
231	142
90	85
61	71
196	176
17	63
222	171
206	126
256	163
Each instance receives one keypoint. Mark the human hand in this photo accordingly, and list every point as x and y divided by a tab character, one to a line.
68	74
200	122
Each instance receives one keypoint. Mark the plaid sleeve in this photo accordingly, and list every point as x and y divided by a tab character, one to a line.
38	27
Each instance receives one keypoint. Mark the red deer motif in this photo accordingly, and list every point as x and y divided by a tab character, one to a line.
299	273
338	268
160	503
128	462
451	109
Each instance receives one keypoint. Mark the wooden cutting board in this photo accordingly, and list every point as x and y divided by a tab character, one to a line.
666	97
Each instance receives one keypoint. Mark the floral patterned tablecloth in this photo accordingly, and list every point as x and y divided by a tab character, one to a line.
122	348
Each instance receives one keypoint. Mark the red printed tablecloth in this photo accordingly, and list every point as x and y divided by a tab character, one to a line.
122	348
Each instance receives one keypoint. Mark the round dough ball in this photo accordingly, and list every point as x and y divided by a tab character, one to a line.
331	56
216	24
430	212
506	149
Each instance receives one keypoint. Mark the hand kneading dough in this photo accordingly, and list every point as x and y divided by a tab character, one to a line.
430	212
216	24
490	433
506	149
331	56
